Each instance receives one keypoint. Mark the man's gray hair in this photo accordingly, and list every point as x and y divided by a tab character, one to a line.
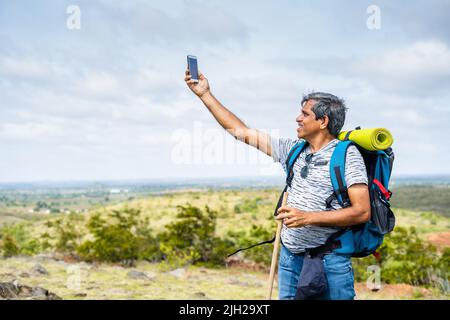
328	105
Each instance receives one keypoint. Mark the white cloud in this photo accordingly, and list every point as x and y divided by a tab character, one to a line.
176	24
417	68
96	83
28	68
113	92
411	117
23	131
423	58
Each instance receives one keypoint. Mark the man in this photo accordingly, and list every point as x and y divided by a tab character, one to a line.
306	221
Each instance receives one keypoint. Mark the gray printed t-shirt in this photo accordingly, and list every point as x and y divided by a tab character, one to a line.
310	193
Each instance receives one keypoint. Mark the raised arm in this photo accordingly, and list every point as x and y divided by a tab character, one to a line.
226	118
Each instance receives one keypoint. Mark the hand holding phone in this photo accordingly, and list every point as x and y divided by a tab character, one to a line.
194	79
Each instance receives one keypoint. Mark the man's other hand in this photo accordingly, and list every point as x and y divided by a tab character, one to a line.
292	217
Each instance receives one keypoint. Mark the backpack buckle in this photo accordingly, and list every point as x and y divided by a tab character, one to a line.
329	200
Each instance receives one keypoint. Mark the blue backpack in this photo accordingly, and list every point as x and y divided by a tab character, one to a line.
359	240
363	239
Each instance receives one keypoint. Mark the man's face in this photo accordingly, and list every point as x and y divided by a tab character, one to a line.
308	126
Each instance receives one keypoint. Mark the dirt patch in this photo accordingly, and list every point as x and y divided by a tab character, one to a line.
440	239
392	291
244	264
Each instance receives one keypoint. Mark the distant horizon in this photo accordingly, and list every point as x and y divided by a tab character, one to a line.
197	179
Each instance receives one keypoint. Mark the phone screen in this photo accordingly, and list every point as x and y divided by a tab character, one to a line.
192	66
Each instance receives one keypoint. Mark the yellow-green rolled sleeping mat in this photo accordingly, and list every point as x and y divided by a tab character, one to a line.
370	139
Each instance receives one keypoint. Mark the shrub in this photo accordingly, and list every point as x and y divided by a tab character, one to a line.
256	234
9	246
17	240
429	198
123	238
31	247
191	238
248	205
405	258
67	237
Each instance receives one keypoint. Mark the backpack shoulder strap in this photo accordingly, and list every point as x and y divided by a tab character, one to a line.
337	172
291	158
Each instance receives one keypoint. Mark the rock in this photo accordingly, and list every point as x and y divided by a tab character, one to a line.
128	263
179	273
16	291
39	270
38	291
8	290
135	274
80	294
43	257
92	287
200	294
239	283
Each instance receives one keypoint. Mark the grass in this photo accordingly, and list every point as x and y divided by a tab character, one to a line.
423	198
105	281
425	222
163	209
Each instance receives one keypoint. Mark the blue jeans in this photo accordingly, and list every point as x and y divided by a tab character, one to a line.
338	270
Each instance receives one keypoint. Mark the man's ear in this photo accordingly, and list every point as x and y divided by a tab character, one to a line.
324	122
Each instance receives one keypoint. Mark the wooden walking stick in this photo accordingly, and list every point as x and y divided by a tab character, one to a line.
275	251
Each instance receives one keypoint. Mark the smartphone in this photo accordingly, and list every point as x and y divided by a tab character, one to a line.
192	67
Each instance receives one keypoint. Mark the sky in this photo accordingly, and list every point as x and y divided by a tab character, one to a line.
94	90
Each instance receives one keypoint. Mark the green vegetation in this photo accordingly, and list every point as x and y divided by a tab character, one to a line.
191	238
16	239
121	236
67	237
423	198
201	228
243	239
18	205
248	205
406	258
9	246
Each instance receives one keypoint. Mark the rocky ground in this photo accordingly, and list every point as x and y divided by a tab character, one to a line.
16	291
46	277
